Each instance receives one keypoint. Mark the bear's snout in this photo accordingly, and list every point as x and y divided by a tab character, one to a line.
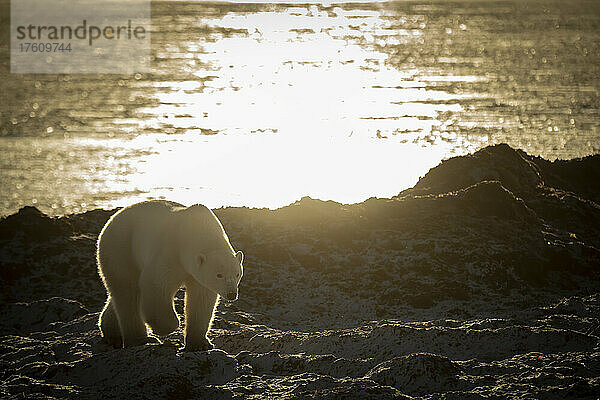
231	296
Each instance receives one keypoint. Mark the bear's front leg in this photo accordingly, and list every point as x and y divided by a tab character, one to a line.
199	307
157	293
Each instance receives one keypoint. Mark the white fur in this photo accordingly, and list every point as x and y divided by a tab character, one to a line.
146	252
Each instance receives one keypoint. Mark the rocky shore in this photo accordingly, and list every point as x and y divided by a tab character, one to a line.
479	282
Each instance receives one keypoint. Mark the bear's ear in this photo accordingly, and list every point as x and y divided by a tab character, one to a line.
239	256
201	258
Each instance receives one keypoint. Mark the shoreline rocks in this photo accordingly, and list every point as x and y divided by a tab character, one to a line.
480	281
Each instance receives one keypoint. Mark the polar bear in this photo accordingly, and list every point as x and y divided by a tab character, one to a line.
145	253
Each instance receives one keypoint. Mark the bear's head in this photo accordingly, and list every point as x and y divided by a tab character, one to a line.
220	272
205	252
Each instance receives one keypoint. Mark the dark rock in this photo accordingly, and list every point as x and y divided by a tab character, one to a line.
493	163
490	272
37	315
33	225
351	389
9	272
417	374
275	363
490	198
579	175
578	217
421	300
89	222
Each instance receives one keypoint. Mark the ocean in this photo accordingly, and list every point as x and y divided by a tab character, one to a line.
261	104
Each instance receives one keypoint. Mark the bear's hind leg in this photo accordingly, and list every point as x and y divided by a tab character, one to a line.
109	325
126	303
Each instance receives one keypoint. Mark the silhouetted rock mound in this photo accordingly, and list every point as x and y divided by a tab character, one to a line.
31	224
479	282
576	176
490	198
494	163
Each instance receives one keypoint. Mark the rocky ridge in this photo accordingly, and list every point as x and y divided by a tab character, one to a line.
479	282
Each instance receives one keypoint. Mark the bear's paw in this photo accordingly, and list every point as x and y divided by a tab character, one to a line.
198	345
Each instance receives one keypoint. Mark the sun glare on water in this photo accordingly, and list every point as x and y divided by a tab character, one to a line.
259	105
302	105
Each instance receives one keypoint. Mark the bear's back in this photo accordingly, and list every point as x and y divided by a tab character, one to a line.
199	223
144	213
135	228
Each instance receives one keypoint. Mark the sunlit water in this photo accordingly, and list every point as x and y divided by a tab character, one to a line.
261	104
